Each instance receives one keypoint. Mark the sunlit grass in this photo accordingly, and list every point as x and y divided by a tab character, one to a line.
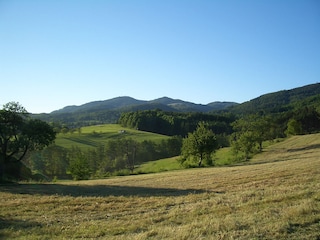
222	156
161	165
296	147
93	136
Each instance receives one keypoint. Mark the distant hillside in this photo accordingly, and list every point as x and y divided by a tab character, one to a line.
109	111
131	104
278	101
216	106
111	104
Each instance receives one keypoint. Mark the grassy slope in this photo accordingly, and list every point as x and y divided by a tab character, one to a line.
93	136
167	164
222	157
296	147
276	198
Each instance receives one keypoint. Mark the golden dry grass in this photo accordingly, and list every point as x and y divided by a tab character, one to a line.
277	198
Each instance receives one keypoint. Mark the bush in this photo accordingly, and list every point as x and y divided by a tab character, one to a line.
79	168
122	172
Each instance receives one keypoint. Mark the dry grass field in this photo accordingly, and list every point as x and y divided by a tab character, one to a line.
276	196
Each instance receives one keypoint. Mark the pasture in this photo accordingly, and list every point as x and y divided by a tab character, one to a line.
275	196
93	136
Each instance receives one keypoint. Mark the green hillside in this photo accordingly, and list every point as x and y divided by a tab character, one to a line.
221	158
280	101
281	150
93	136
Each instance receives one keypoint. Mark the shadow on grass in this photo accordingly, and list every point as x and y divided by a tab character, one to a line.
94	191
16	225
310	147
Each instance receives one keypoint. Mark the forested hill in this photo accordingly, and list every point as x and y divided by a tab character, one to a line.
109	111
131	104
281	101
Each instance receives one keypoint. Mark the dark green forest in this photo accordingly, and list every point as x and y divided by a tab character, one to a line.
171	123
282	101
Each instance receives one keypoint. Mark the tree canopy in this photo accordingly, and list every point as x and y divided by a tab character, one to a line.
20	134
199	145
250	132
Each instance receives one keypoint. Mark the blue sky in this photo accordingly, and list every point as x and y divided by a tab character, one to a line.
70	52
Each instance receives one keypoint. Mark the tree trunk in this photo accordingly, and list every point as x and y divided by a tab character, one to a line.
200	160
260	146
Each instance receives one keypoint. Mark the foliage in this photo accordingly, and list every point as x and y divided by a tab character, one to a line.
79	166
281	101
293	127
309	118
245	144
199	145
171	123
106	159
20	134
52	161
250	132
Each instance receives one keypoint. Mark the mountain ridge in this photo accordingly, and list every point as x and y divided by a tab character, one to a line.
127	103
269	102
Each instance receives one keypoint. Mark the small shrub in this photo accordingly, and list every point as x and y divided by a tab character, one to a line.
122	172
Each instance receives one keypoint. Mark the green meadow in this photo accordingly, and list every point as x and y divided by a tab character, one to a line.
162	165
93	136
274	196
221	157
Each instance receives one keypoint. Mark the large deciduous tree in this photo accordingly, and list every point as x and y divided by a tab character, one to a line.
20	134
293	127
199	145
250	132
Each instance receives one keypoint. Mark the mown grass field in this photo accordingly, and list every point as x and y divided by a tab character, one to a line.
275	196
93	136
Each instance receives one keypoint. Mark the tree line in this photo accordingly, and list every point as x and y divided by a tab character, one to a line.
118	156
173	123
